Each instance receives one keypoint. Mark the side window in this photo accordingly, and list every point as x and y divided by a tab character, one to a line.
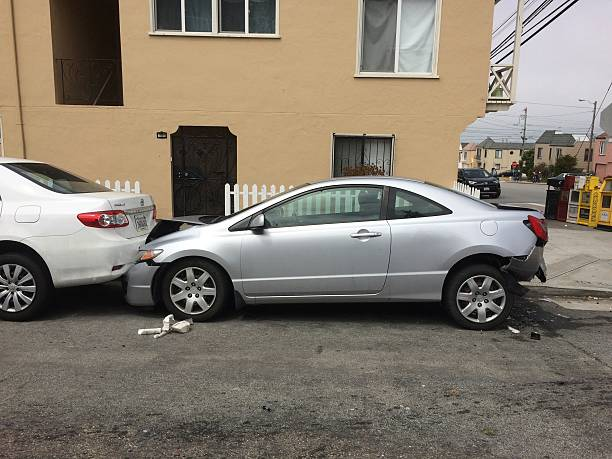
332	205
403	204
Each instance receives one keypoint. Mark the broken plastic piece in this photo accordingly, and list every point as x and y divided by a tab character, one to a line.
149	331
513	330
169	325
535	335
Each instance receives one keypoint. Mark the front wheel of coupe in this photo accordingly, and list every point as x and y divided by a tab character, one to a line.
477	297
25	287
195	289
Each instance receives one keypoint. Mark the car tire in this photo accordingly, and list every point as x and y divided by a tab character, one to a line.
478	297
25	287
196	289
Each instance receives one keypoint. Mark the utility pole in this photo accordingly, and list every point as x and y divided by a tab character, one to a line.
591	139
524	136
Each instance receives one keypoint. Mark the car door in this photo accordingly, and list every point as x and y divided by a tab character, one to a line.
330	241
424	235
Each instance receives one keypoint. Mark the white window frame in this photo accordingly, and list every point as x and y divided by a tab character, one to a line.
436	47
215	24
501	154
386	136
602	145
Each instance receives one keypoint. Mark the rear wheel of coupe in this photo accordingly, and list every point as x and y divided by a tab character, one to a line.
477	297
24	287
195	289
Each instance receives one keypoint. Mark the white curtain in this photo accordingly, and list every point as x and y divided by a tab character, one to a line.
417	32
379	25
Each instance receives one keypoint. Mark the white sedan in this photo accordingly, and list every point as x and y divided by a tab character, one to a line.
60	230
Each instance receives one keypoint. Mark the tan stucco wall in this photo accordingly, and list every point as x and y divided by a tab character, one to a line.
282	98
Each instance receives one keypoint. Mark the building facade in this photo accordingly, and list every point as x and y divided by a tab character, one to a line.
498	157
602	158
187	95
551	145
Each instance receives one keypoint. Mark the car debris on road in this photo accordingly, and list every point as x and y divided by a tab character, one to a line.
169	325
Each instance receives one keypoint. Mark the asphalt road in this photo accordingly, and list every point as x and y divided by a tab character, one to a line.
286	381
527	194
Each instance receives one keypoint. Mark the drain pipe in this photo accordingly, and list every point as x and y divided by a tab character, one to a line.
18	82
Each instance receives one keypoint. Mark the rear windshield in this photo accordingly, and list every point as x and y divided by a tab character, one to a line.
476	173
55	179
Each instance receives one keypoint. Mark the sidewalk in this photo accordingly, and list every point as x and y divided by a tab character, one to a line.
578	258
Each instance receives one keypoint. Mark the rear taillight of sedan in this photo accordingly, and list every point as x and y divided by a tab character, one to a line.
104	219
538	227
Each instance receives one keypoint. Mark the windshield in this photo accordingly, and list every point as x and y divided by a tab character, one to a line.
55	179
476	173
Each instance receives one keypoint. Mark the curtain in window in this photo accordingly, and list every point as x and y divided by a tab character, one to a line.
198	15
232	15
262	16
416	42
379	26
168	14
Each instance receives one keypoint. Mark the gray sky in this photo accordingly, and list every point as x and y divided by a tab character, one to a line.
571	59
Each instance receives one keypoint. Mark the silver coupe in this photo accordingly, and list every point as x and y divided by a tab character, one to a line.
361	239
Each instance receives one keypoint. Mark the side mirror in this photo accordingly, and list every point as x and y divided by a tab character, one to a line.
258	222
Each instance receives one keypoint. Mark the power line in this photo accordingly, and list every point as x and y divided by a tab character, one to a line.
537	32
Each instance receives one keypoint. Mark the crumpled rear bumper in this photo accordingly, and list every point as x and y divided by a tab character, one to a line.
524	269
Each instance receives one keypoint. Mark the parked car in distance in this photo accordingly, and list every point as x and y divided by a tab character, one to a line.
60	230
557	180
360	239
479	178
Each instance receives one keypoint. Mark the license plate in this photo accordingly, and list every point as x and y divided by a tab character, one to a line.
486	188
140	220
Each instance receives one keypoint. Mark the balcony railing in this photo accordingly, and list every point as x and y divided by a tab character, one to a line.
501	88
89	81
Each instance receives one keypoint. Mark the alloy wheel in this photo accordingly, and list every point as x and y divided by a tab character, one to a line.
193	290
481	299
17	288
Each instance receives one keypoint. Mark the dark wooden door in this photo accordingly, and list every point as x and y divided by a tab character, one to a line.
203	161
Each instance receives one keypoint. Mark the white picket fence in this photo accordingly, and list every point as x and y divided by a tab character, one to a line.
242	196
126	186
466	189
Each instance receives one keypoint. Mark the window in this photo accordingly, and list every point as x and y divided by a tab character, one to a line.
403	204
549	154
602	147
478	153
485	154
55	179
588	155
211	17
331	205
399	36
539	152
362	155
559	151
511	152
498	154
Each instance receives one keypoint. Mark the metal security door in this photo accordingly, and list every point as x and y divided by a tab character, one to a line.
203	161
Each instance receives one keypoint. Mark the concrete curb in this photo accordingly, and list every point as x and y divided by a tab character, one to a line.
567	292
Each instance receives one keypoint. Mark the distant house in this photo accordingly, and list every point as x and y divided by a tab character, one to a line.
499	156
602	160
468	156
553	144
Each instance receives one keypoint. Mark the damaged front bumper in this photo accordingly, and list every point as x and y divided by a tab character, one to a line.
524	269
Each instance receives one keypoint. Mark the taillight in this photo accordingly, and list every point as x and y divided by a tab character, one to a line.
154	212
104	219
538	227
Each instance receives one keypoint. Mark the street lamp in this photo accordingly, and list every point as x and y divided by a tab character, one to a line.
590	157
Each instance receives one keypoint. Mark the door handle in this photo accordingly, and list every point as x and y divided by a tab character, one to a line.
365	234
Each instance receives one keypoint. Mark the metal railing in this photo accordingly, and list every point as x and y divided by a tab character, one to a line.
89	81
